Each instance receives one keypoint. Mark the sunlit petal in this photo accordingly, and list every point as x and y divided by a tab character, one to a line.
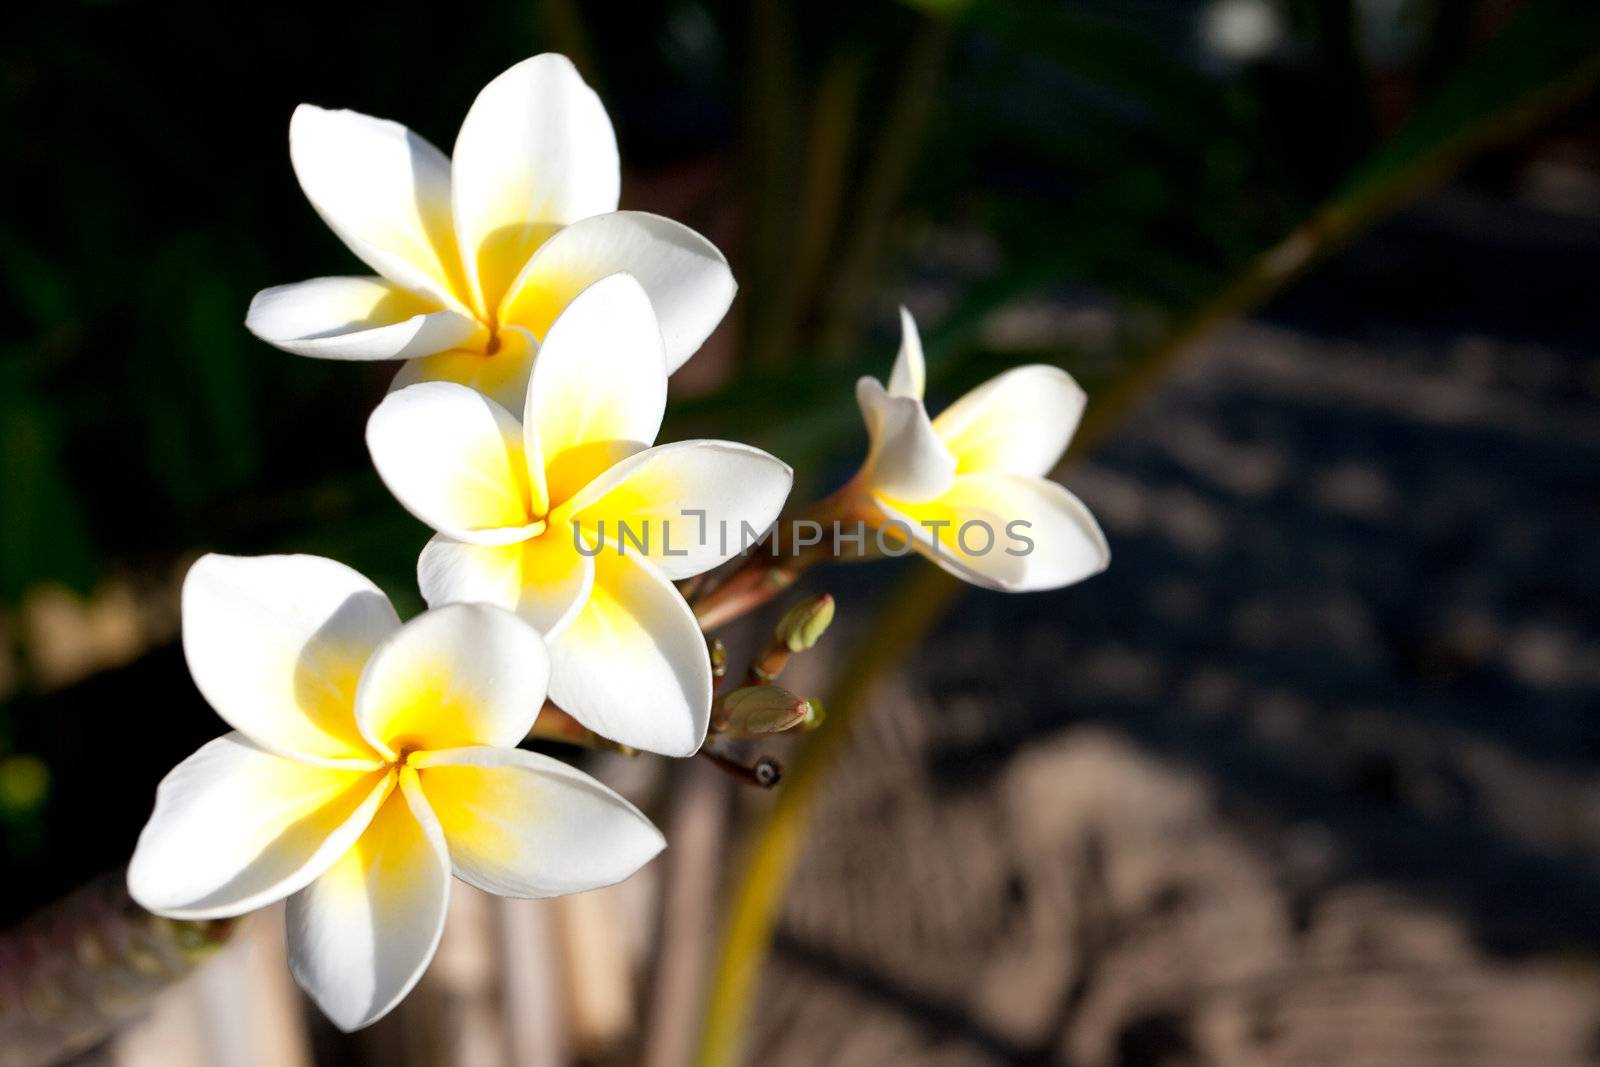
385	192
599	386
236	828
910	375
454	458
361	935
633	665
1017	423
455	572
905	458
462	674
689	506
545	579
502	377
276	645
355	319
1007	532
535	152
525	825
687	279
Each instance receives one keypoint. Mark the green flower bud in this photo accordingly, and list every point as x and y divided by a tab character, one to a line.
803	625
763	709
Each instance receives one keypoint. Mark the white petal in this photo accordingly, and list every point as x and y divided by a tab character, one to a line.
276	645
524	825
599	386
1016	423
454	458
905	458
1025	534
688	506
688	280
633	665
502	377
385	192
455	572
535	152
544	579
355	318
463	674
361	935
910	375
236	828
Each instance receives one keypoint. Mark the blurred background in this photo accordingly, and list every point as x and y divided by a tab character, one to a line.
1310	776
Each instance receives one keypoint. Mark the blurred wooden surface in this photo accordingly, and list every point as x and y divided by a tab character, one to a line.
1098	909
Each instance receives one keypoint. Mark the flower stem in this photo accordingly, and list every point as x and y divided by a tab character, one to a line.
73	973
770	568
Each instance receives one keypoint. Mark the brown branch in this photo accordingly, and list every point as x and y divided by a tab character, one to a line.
765	772
73	973
772	566
763	576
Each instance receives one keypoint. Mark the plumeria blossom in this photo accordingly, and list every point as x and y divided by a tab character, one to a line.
968	488
530	514
369	761
477	254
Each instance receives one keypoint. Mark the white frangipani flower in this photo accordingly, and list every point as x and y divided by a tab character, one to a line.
529	514
980	467
368	761
477	254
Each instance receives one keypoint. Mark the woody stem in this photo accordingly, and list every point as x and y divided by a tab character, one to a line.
773	566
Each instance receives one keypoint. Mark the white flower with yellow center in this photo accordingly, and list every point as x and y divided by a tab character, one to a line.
477	254
530	515
369	761
968	488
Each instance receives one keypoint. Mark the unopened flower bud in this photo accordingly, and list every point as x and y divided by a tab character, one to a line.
803	625
763	709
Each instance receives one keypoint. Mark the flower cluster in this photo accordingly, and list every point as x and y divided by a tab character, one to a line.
371	760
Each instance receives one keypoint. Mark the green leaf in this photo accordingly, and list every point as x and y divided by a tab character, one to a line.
43	533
